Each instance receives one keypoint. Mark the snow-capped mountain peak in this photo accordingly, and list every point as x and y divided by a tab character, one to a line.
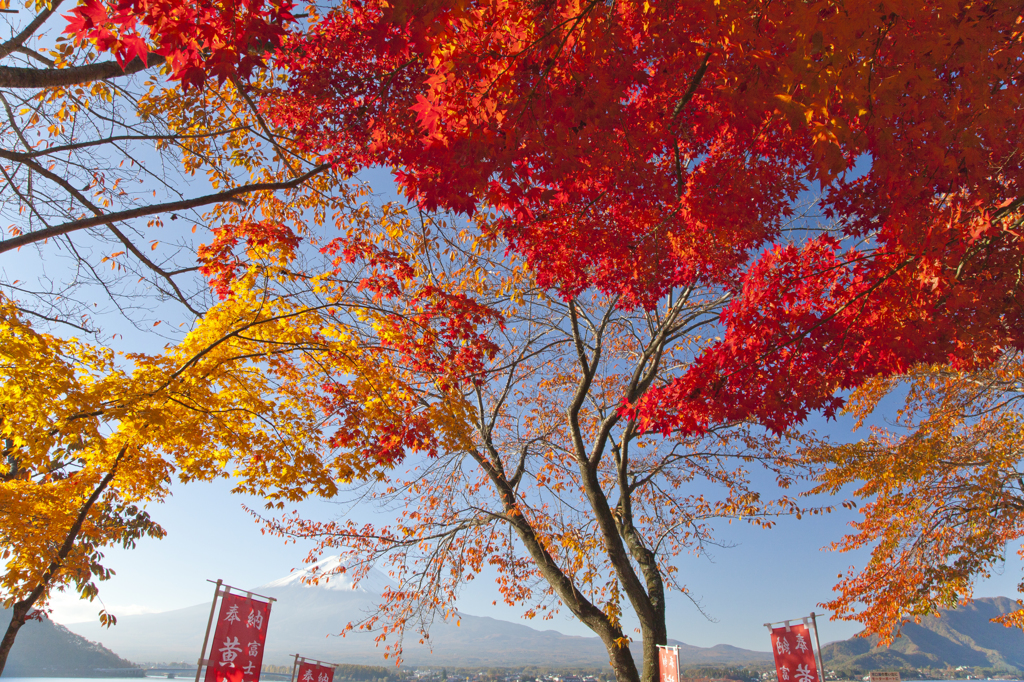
334	573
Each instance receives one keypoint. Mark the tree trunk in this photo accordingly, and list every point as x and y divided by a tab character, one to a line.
653	635
619	657
623	665
652	627
19	614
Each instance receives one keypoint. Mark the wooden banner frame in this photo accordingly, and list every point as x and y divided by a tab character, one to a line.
812	623
219	591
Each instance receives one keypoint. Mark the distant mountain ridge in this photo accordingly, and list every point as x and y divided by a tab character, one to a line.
963	636
46	649
305	617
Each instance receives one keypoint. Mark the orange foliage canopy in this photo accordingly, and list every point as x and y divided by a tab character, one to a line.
944	491
640	147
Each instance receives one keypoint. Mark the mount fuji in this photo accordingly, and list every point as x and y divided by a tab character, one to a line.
306	618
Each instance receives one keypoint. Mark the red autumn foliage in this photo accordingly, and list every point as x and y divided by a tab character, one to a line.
220	262
642	147
199	38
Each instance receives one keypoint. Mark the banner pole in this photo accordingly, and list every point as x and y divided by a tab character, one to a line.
817	651
209	623
295	666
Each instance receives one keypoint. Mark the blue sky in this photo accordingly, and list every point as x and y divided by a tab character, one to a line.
765	576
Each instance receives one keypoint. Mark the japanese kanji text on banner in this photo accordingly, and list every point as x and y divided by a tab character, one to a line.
241	632
794	656
313	672
668	663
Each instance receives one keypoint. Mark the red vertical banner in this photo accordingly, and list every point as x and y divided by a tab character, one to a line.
307	672
794	655
668	663
313	672
325	674
236	654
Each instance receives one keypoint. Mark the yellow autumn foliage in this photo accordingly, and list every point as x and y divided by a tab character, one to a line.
228	401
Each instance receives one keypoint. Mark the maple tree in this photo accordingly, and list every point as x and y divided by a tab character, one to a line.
639	147
942	487
92	436
642	146
527	466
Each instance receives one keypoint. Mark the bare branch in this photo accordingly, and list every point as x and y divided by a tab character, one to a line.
17	41
153	209
20	77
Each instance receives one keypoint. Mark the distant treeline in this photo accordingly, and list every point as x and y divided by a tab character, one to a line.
279	669
367	673
723	673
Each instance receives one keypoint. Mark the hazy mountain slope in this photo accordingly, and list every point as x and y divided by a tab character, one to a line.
305	618
44	648
963	636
